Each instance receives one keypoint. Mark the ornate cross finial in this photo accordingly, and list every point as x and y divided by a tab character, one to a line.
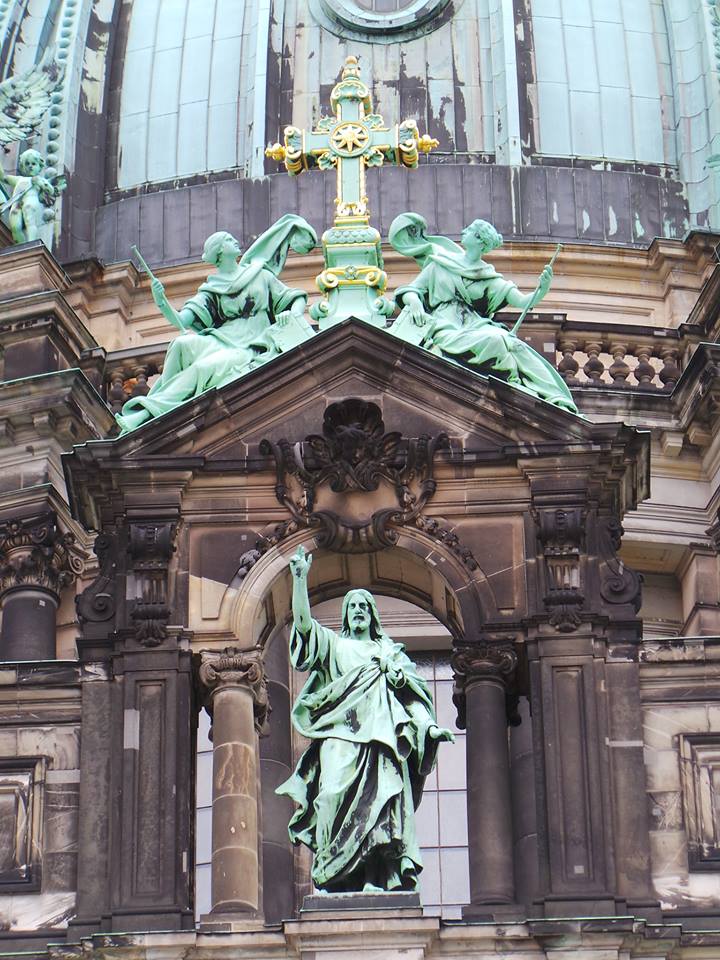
349	142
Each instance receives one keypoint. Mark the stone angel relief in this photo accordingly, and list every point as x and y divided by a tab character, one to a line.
30	194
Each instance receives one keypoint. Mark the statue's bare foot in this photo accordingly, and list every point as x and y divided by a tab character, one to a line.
371	888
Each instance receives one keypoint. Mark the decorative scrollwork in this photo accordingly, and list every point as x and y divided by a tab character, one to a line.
618	583
355	454
150	547
97	603
560	534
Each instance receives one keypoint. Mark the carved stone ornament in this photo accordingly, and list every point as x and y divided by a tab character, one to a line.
560	534
35	553
445	535
150	547
232	668
353	455
97	603
618	583
493	659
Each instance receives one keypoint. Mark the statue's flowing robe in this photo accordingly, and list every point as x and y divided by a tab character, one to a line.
358	783
232	333
233	325
462	299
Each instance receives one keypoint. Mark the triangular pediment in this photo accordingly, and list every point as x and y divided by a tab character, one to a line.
417	392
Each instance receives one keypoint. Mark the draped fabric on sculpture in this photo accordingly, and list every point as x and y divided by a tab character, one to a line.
461	299
357	784
233	328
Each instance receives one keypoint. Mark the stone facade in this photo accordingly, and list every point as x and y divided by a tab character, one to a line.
566	568
596	802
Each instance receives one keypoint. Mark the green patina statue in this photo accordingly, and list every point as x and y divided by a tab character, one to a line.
32	195
240	318
373	740
449	307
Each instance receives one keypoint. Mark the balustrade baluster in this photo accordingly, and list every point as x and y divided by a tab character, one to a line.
116	394
594	368
670	373
644	371
568	366
619	370
141	387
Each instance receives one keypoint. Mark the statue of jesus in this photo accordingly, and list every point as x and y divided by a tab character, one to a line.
373	740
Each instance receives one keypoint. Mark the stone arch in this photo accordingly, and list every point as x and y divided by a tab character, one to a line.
418	568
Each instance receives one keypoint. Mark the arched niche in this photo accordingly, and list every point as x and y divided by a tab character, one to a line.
418	569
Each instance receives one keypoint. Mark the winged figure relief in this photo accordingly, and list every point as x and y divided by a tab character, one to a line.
25	98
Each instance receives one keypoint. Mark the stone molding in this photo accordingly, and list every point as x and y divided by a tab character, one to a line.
231	668
35	553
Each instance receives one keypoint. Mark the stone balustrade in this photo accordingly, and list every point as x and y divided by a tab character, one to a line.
624	360
587	355
129	373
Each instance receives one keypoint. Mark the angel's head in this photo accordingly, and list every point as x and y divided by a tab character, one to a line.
219	245
481	234
30	163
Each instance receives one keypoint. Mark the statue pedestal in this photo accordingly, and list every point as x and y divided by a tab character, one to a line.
336	906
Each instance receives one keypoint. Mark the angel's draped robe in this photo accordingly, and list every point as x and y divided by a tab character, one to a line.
233	331
361	778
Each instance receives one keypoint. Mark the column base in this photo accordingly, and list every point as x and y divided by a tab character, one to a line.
495	913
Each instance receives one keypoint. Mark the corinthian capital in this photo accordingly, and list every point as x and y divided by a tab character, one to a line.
233	668
35	553
486	660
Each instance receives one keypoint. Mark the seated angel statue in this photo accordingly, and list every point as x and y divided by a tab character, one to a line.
455	297
241	317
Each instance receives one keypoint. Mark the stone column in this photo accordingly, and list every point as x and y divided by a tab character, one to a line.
482	674
237	701
36	562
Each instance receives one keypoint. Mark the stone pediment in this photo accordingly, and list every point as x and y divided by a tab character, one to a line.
419	393
255	423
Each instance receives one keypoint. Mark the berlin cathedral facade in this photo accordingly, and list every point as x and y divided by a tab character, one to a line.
554	575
